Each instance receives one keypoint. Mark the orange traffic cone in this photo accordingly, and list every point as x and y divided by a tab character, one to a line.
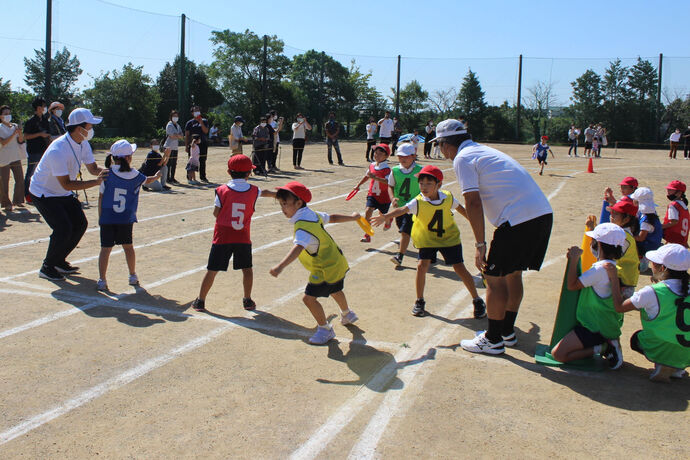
590	166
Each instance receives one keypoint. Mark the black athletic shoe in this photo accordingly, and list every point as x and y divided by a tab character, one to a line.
50	273
248	304
614	354
165	187
418	309
65	268
397	259
479	308
341	164
204	180
198	305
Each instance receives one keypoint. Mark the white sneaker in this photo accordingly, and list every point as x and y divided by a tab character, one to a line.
480	344
349	318
680	373
322	335
101	285
133	280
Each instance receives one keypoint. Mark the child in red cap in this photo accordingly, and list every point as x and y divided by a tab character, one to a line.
540	151
624	214
434	230
677	217
377	198
628	185
234	207
319	253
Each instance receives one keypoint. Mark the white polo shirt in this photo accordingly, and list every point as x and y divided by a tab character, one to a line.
508	192
63	157
386	128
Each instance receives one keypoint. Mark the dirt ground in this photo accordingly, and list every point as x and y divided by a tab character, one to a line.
139	374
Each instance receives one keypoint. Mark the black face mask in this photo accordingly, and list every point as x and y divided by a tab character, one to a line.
671	197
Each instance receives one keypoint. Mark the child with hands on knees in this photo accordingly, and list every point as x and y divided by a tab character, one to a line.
377	198
434	230
319	254
599	322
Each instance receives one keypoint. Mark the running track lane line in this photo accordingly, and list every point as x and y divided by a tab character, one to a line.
142	369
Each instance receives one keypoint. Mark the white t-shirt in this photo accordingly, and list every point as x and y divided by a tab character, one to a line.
597	278
10	152
646	298
386	127
675	137
63	157
508	192
589	134
371	130
276	136
239	185
391	176
115	169
672	212
412	204
236	133
306	239
299	130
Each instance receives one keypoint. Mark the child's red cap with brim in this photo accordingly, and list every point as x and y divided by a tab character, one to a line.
432	171
299	190
240	163
384	147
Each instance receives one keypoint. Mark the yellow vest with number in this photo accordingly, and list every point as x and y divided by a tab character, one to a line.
434	225
328	264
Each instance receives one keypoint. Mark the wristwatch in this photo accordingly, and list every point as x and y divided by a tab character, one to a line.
479	245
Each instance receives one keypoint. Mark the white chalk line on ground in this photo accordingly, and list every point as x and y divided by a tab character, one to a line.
145	219
144	368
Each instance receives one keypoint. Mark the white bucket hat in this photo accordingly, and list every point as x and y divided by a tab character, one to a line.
645	200
608	233
673	256
122	148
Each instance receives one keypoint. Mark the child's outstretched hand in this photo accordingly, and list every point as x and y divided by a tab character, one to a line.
608	193
356	215
376	221
591	222
574	253
275	271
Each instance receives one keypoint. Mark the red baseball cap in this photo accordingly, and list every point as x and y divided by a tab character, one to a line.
240	163
624	207
432	171
299	190
545	137
630	181
676	185
384	147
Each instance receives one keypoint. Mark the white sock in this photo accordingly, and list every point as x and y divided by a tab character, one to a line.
343	313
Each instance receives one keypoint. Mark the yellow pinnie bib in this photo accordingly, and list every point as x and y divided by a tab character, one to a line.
328	264
434	225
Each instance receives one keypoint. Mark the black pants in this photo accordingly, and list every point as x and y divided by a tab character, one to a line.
573	145
297	149
273	156
260	158
203	153
172	164
427	145
65	216
686	149
333	143
370	144
31	164
395	143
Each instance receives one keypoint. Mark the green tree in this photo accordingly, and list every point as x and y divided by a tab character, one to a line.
237	71
499	122
413	104
65	71
616	95
537	108
471	103
127	100
587	98
643	109
367	101
19	101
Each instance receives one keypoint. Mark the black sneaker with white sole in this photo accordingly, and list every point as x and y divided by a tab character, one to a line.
198	305
614	354
50	273
479	308
66	268
419	308
397	259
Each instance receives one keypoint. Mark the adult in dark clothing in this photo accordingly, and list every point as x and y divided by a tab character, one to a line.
263	147
197	125
686	145
397	131
332	133
56	126
37	136
430	130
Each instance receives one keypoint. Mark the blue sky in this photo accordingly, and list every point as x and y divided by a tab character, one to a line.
438	42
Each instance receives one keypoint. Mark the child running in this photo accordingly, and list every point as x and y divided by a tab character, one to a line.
434	230
540	151
319	254
651	232
402	187
117	209
665	314
677	217
624	214
234	207
598	321
377	198
193	163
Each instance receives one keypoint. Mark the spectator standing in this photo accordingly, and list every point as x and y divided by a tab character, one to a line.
386	127
51	191
397	131
56	126
173	133
11	155
430	130
299	138
674	139
236	138
590	132
603	140
686	146
277	125
372	127
37	136
261	140
498	187
332	133
573	134
198	125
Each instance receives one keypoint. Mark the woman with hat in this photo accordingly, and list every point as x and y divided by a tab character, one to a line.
53	181
56	127
677	218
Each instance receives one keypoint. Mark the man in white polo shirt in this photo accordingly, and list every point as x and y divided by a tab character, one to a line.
496	186
386	127
51	191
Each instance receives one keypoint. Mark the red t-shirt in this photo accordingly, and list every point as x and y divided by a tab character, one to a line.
679	232
234	220
378	189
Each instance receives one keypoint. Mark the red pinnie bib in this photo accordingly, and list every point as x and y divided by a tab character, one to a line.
235	218
377	189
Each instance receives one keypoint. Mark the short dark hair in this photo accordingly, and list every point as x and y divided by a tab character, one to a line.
427	176
240	174
283	194
4	107
611	251
172	112
155	141
456	139
38	102
72	128
196	136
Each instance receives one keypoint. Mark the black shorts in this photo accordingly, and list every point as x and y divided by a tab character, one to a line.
588	145
542	158
372	203
404	223
324	289
452	254
384	140
635	342
588	338
219	257
112	234
520	247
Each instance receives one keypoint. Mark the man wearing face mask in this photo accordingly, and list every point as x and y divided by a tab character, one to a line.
198	125
51	191
56	127
37	136
332	132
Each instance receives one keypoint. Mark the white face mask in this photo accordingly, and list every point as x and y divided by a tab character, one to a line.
174	119
45	110
240	124
155	147
7	118
58	113
300	120
89	134
196	114
263	125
